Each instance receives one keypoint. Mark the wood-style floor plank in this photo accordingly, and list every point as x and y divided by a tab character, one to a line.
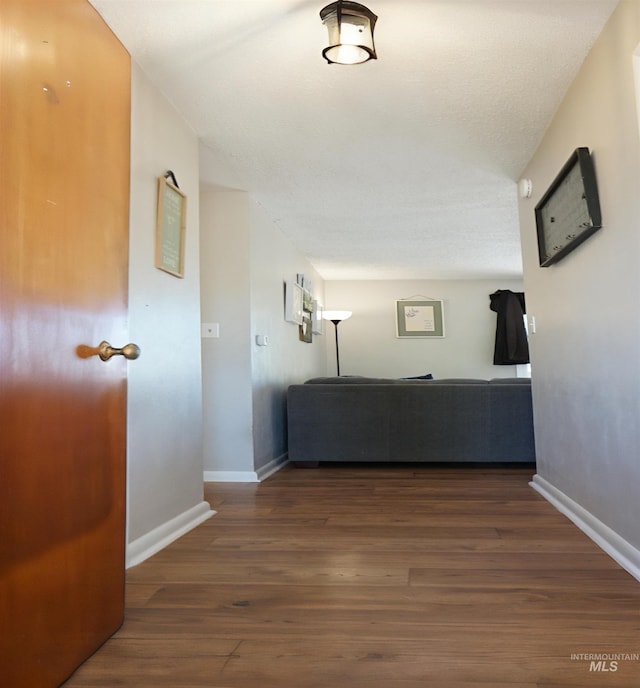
376	577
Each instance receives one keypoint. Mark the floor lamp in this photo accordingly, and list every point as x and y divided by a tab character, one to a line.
336	318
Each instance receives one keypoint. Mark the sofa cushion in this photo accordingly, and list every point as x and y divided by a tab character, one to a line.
510	381
360	380
347	380
459	381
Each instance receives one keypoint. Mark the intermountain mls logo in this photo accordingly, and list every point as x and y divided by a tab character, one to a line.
605	661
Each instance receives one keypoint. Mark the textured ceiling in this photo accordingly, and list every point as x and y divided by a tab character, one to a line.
400	168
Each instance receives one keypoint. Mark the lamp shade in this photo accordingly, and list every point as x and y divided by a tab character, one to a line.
350	27
336	315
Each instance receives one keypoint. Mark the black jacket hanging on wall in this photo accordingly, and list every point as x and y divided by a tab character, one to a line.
512	346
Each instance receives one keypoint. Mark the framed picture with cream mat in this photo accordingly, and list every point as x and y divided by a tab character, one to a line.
170	226
419	318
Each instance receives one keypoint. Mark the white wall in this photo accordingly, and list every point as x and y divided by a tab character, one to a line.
586	350
164	405
226	360
286	360
368	342
245	261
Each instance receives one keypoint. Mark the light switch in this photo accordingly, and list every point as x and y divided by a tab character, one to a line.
210	330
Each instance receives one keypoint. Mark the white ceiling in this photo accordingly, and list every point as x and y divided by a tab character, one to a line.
400	168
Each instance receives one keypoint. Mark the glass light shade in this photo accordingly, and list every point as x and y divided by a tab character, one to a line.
336	315
350	27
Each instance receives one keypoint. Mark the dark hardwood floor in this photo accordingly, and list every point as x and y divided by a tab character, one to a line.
410	576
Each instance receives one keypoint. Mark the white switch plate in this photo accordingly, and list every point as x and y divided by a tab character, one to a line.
210	330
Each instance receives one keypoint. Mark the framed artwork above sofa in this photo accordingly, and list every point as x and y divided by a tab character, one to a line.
419	318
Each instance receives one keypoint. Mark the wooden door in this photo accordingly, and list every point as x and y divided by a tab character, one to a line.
64	187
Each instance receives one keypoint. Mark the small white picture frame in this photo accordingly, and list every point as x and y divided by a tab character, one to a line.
293	303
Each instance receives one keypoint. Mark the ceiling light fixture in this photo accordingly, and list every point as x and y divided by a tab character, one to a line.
350	27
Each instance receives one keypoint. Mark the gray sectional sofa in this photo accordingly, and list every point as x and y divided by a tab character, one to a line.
370	419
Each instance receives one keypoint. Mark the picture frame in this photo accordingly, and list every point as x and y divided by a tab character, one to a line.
170	228
419	319
317	321
569	212
293	303
308	303
305	330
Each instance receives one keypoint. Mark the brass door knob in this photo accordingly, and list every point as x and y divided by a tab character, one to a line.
129	351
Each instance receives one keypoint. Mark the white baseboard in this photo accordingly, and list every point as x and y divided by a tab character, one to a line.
147	545
230	477
607	539
247	476
273	466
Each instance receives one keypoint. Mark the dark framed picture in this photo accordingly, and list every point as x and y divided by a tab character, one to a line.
306	329
569	212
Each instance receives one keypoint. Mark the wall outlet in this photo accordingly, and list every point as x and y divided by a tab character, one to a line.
210	330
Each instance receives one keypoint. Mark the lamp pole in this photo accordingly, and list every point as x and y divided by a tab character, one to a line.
336	317
336	323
